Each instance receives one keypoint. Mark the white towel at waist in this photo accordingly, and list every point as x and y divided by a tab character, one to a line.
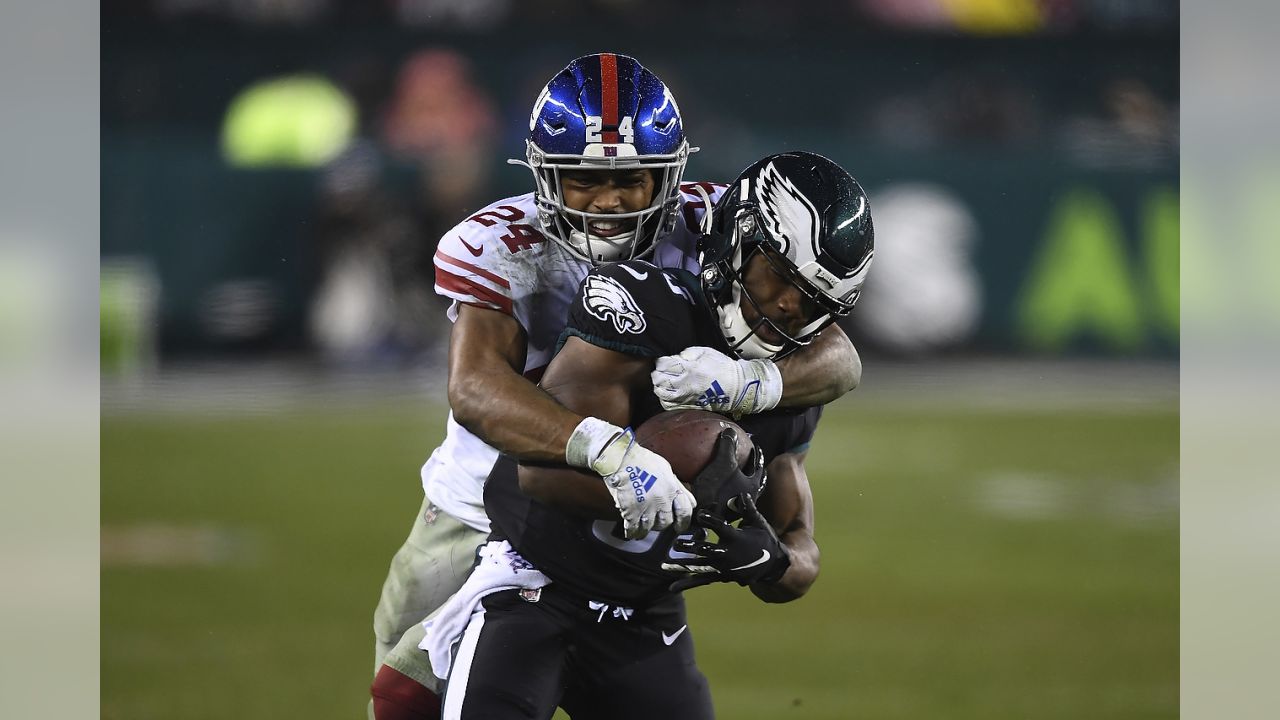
500	568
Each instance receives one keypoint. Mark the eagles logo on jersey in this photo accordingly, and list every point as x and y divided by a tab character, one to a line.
606	299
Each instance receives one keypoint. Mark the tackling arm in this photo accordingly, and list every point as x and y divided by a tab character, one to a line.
824	370
702	377
596	382
491	398
787	503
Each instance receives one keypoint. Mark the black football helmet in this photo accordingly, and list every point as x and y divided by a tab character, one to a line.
811	220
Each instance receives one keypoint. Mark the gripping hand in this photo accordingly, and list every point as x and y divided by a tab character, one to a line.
723	480
747	554
645	489
704	378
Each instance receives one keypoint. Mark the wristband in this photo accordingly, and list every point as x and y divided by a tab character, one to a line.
770	385
588	440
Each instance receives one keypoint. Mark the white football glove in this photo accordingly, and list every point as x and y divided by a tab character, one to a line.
645	489
701	377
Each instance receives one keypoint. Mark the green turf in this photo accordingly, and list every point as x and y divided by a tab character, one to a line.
931	604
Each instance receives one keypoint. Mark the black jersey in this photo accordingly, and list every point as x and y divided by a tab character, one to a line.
639	309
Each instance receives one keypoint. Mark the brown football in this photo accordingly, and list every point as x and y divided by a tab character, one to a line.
687	439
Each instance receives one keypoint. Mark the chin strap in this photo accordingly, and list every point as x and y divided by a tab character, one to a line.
746	342
623	242
707	205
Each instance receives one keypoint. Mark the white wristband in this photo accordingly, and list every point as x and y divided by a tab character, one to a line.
588	441
770	385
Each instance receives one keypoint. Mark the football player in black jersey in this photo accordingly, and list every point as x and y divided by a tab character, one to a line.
565	609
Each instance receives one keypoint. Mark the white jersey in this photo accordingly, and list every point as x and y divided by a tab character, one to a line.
499	259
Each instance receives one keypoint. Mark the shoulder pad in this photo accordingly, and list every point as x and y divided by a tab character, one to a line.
505	227
472	260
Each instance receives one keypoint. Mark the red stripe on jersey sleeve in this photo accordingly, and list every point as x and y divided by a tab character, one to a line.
467	287
473	268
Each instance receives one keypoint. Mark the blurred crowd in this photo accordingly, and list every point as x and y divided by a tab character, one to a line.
975	16
374	293
405	141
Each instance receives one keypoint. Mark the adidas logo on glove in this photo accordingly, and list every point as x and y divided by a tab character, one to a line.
641	481
713	394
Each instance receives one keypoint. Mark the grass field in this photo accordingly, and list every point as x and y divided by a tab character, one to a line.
977	563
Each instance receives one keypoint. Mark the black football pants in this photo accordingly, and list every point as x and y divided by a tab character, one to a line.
520	659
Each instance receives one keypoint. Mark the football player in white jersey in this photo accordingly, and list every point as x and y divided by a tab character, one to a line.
607	151
562	610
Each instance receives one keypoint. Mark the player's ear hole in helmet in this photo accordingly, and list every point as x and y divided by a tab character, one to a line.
811	222
605	111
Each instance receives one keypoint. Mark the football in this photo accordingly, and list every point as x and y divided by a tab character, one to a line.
687	439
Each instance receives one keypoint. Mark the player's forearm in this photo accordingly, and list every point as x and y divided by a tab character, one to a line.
823	371
572	491
512	414
801	574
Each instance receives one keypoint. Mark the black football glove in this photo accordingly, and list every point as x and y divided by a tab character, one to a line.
747	554
720	484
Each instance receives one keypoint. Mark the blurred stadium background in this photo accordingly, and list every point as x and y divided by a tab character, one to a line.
998	504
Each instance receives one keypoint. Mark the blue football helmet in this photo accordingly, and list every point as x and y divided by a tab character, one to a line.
606	111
